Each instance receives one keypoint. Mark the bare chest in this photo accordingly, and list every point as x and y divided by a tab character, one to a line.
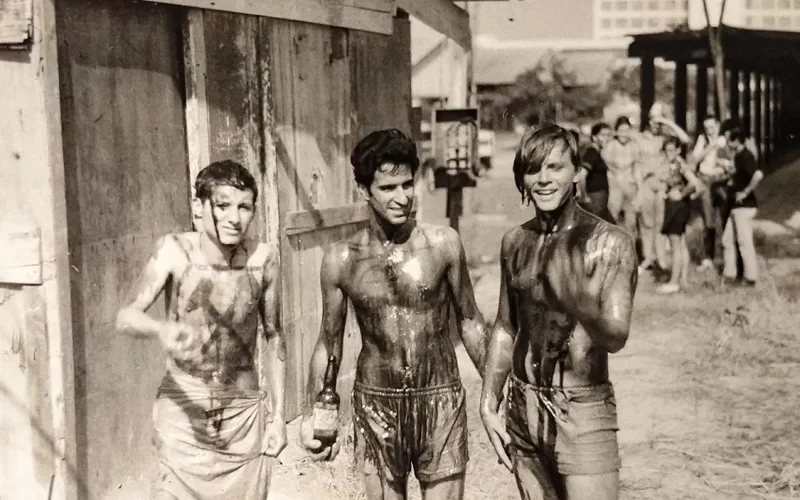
211	296
396	277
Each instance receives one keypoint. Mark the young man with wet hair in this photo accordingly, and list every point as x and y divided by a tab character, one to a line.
215	429
402	278
567	284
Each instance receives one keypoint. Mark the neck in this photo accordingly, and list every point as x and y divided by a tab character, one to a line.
386	232
554	220
215	252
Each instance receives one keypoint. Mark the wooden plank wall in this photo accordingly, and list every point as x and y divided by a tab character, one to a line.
122	91
362	80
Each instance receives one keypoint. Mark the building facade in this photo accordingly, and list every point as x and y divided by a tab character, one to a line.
616	18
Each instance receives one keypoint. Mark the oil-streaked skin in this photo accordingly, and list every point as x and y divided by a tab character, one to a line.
402	278
567	284
219	285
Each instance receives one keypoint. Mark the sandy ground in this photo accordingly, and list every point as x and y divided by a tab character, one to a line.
676	414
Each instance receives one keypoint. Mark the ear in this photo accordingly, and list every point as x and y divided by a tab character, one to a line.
362	191
197	208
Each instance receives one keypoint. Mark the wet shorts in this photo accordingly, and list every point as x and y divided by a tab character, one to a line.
398	428
572	430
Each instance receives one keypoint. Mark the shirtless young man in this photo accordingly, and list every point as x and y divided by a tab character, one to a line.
213	431
402	277
567	285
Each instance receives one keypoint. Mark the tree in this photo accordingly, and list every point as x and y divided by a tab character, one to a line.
715	44
626	80
550	91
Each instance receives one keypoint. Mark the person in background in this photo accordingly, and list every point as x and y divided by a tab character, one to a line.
620	154
680	183
593	178
651	172
738	231
713	165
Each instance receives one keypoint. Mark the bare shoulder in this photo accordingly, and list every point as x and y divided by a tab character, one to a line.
613	243
337	258
262	254
516	236
172	249
439	236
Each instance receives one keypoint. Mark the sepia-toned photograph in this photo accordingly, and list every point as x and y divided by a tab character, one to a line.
399	249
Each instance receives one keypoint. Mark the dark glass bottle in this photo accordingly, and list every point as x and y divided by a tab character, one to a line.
326	407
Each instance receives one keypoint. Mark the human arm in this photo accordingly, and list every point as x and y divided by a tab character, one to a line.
132	318
676	129
597	285
471	326
275	353
756	175
330	342
498	363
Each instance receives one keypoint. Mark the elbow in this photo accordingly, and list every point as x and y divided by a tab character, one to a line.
617	340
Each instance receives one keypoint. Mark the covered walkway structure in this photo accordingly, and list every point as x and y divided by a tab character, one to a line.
761	69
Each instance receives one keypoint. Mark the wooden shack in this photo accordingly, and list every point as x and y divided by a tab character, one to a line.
109	108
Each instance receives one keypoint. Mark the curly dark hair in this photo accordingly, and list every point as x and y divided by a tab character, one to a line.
380	147
224	173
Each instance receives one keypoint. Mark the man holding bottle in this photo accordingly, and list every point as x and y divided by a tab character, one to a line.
402	277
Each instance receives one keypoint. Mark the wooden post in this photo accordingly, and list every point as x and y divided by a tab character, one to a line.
769	119
197	127
648	89
733	92
747	102
758	129
680	93
701	94
779	138
455	206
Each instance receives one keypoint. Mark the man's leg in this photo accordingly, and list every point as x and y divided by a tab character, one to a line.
729	248
661	241
743	221
647	218
534	481
614	197
593	486
378	487
444	489
709	225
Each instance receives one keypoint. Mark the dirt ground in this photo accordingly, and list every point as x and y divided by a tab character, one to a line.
706	386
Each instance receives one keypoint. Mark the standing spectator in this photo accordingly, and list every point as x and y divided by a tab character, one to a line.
713	170
680	183
594	176
620	155
651	173
739	227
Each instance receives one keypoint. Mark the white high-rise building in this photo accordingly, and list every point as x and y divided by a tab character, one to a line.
615	18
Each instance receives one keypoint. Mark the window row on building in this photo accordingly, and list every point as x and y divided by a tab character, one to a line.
650	23
772	22
641	5
772	4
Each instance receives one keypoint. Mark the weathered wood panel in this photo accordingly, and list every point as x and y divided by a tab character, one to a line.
127	184
329	88
381	81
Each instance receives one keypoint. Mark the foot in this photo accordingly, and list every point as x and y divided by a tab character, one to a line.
667	288
707	264
646	265
748	283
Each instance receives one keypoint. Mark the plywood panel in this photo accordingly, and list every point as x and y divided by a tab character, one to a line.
381	79
127	184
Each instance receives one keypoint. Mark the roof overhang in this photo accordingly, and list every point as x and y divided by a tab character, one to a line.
773	52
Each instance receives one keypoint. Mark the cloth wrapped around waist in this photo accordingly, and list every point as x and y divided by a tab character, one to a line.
209	440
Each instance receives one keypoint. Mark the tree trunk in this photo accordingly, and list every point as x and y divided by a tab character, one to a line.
718	54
